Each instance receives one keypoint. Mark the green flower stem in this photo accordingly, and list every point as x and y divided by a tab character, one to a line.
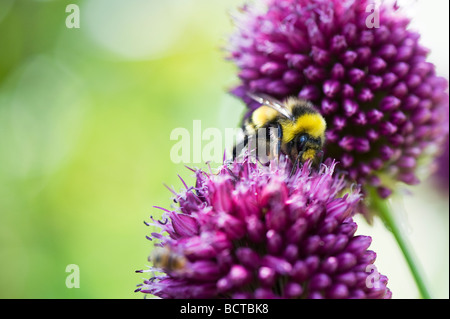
383	210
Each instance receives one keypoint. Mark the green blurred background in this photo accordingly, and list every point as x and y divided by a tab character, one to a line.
85	120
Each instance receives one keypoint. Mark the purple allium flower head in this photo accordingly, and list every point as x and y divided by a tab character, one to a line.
380	97
253	231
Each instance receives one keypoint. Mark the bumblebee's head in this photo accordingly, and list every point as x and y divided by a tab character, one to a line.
304	136
304	145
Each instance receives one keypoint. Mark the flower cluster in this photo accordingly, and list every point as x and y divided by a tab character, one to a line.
253	231
381	98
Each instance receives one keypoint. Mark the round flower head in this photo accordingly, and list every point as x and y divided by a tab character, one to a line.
253	231
362	68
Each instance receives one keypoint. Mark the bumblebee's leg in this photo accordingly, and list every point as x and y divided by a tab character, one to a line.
294	167
320	158
240	147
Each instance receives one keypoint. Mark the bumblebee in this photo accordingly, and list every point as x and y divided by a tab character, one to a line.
292	127
168	260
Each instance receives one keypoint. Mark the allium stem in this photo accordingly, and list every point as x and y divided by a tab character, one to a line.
384	211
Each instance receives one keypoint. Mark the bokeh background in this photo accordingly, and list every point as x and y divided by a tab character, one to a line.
85	122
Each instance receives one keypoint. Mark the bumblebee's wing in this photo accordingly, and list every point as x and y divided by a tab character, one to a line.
271	102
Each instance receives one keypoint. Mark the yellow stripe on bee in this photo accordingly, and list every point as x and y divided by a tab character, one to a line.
262	115
311	123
